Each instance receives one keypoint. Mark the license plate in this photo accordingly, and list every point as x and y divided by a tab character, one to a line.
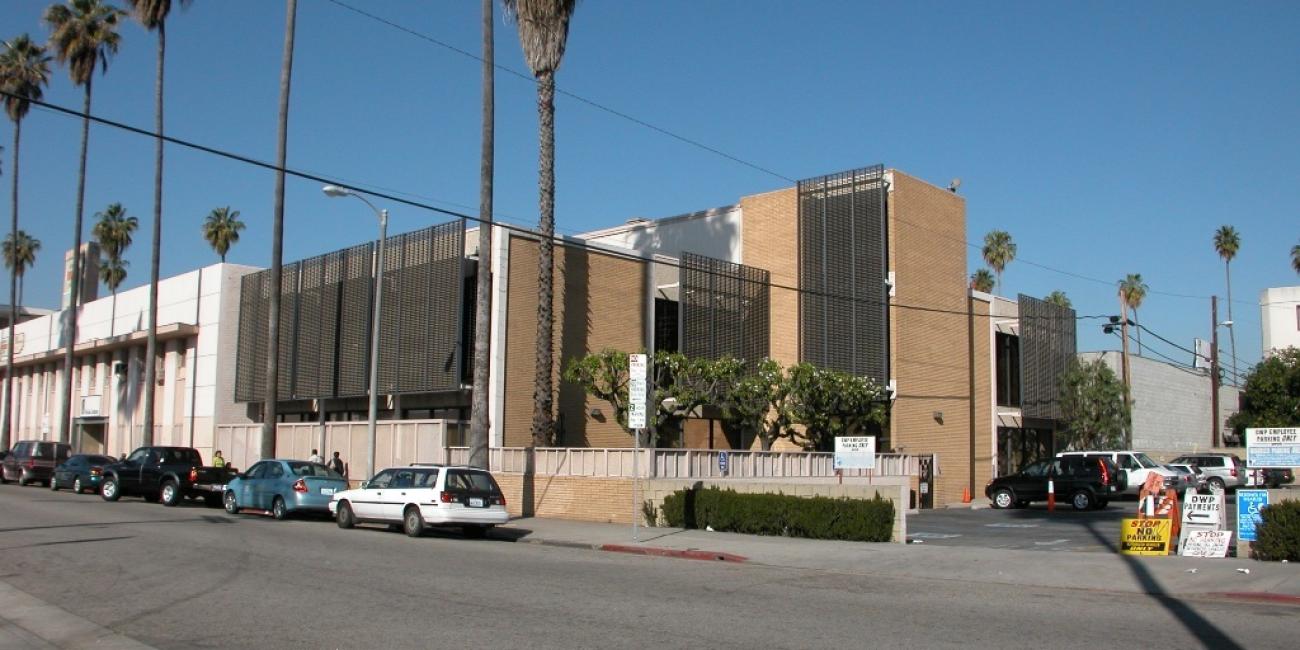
217	488
327	490
475	502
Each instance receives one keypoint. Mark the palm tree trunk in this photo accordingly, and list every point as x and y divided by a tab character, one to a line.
70	333
1139	329
267	448
112	316
542	380
1232	331
151	342
13	296
478	427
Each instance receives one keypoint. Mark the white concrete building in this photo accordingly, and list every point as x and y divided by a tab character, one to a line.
197	315
1279	317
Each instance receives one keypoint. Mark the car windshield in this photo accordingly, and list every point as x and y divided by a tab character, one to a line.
99	460
303	468
1145	460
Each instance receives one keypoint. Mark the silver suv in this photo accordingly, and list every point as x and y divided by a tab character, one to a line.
1222	471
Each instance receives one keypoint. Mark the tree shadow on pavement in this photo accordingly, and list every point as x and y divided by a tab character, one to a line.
1205	631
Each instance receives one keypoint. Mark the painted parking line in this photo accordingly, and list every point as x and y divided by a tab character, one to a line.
1011	525
1052	543
923	535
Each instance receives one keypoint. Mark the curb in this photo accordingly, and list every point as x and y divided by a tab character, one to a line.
1257	596
692	554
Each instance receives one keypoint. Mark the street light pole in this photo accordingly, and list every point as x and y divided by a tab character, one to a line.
371	424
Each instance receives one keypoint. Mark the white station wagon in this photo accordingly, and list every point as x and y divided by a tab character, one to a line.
420	496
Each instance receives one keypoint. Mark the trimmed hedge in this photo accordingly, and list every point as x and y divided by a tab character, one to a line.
861	520
1277	537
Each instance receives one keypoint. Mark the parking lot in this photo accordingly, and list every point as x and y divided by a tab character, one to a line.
1032	528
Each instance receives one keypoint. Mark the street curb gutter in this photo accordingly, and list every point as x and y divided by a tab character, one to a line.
692	554
1257	596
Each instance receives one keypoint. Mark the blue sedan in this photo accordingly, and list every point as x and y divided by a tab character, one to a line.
284	487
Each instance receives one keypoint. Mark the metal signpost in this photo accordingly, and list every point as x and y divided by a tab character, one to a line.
636	421
1273	448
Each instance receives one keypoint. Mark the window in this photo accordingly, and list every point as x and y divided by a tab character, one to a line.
426	479
137	456
381	480
276	470
461	481
1007	358
1036	469
300	468
403	479
257	471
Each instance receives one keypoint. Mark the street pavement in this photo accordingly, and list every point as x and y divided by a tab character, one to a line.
191	577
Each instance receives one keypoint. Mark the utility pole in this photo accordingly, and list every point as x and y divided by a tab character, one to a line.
1214	371
1128	388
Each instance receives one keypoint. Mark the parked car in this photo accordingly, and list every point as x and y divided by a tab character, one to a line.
1274	477
33	461
1222	471
284	487
1136	466
1086	482
166	474
420	496
81	473
1192	476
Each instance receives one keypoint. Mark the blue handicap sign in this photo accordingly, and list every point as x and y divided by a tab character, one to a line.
722	462
1249	505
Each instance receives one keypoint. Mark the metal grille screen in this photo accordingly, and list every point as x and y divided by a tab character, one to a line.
843	262
724	309
325	314
1047	344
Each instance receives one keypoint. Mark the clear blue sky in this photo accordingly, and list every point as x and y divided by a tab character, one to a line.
1107	139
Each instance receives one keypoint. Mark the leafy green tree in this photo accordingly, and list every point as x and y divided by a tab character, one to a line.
982	280
828	403
1132	290
756	400
20	251
1227	242
1059	299
24	73
543	33
1093	406
83	35
221	230
1295	258
999	250
1271	397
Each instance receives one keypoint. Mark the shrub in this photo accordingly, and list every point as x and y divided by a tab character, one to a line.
1277	536
863	520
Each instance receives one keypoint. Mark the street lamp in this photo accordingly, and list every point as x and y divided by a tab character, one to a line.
334	191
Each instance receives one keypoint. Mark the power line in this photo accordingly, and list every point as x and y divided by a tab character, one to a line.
574	243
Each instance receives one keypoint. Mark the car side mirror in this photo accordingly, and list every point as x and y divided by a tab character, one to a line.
365	484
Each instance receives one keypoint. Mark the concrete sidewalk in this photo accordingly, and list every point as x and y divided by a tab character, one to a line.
1174	576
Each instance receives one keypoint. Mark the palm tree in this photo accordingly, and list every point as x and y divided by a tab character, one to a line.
24	72
271	404
1295	257
83	35
1059	299
1227	242
478	427
998	252
221	230
982	280
152	14
114	232
1133	291
543	33
20	254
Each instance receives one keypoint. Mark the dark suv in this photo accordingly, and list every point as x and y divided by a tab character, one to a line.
33	461
1087	483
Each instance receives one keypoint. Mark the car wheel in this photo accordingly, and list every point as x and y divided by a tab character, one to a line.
77	486
1217	483
412	522
278	509
111	491
231	506
474	532
1082	500
1003	498
171	494
54	484
345	517
22	480
1102	503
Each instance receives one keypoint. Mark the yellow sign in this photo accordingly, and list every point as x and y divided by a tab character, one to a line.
1145	536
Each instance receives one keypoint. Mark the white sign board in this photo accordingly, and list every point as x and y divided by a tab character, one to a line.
1203	509
1278	447
636	391
1207	543
90	405
858	452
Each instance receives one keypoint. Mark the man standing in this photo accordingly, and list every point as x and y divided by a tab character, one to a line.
316	458
337	465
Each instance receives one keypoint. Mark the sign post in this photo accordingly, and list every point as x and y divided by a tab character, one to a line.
636	421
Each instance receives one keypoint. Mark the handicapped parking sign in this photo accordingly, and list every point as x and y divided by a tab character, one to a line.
1249	504
722	462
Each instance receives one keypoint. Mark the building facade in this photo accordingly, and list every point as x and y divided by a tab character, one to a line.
1279	318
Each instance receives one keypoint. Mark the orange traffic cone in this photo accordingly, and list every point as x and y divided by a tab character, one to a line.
965	495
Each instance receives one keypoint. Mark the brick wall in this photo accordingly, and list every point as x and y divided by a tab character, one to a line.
770	240
598	304
929	350
985	431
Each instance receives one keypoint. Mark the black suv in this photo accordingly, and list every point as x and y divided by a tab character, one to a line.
1087	483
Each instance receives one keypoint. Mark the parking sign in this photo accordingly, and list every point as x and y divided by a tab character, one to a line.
1249	505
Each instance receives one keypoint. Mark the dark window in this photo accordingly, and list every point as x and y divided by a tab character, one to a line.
381	480
666	330
258	470
1047	346
462	481
1036	469
302	468
1007	352
276	470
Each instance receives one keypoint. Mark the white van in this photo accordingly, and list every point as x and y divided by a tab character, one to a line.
1135	463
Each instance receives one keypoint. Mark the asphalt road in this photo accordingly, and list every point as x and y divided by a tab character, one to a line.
191	577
